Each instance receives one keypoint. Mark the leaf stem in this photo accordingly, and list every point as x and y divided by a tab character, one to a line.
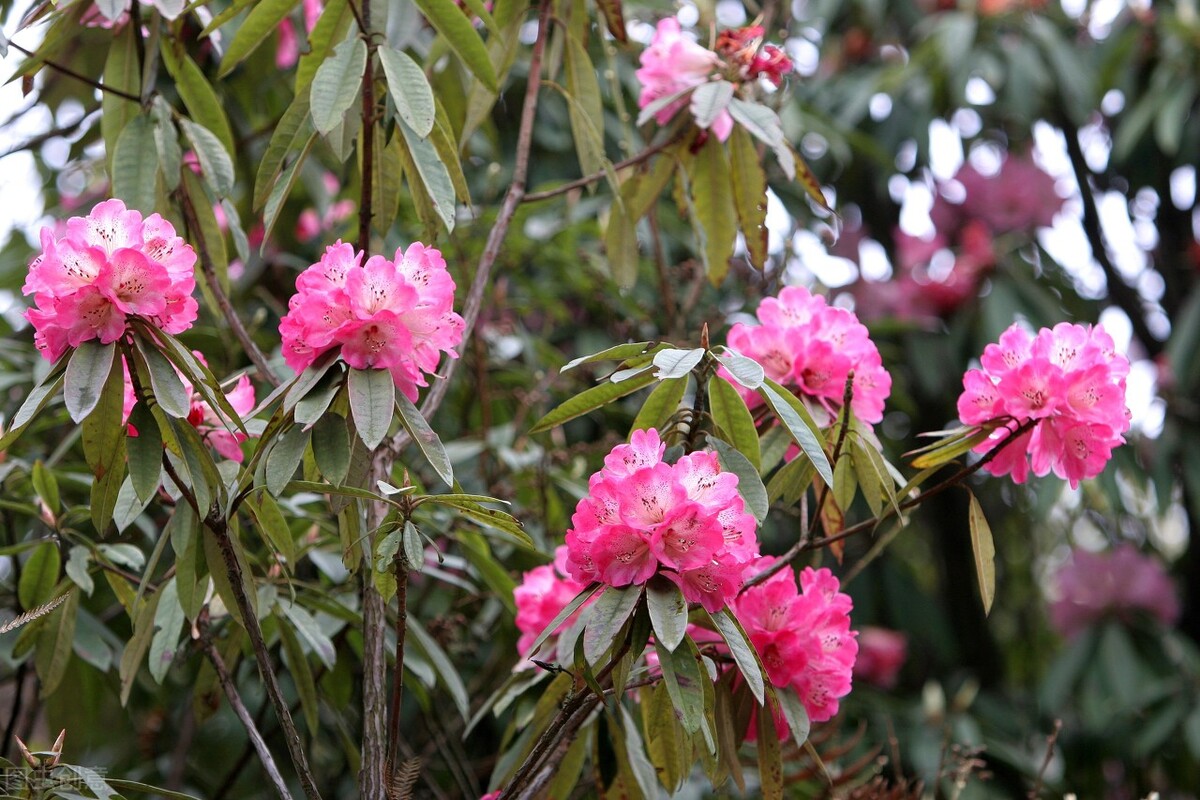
70	73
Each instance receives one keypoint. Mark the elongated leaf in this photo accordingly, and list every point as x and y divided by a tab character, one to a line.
331	447
673	363
660	405
795	714
144	788
586	113
712	199
570	608
262	21
709	100
447	18
749	194
731	414
668	612
618	352
770	757
434	175
448	676
138	644
610	611
106	489
39	397
743	653
984	550
39	576
681	673
409	89
273	526
372	393
134	173
590	400
635	754
799	424
746	371
310	633
168	389
424	437
750	484
54	644
168	619
335	86
86	375
763	124
215	163
950	449
301	674
45	485
621	247
198	94
166	143
123	73
294	130
285	455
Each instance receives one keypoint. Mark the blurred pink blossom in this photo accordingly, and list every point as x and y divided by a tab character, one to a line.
881	654
1120	583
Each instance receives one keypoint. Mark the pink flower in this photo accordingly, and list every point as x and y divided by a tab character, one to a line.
396	315
109	266
543	593
673	63
881	654
1069	379
810	347
287	52
1119	583
1019	197
803	638
642	516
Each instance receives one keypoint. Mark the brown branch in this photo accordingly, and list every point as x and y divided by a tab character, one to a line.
214	284
1051	740
401	567
365	210
508	209
587	180
239	708
70	73
1125	296
805	545
843	428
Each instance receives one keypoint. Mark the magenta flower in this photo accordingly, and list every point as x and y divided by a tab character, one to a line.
881	654
395	315
674	63
810	347
1120	583
287	51
109	266
642	516
803	638
543	592
1069	379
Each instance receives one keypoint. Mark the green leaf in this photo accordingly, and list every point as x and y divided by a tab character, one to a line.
54	644
168	619
165	383
570	608
490	518
681	673
310	632
674	363
293	130
134	175
621	246
660	405
666	743
283	187
331	447
763	124
590	400
713	201
750	484
107	488
104	426
709	100
46	486
137	645
635	753
605	618
331	27
434	175
618	352
39	576
794	712
144	788
743	653
372	393
301	674
39	397
668	611
86	375
335	86
949	449
749	194
166	143
799	424
409	89
285	455
448	676
273	526
746	371
425	438
984	550
730	413
387	181
260	23
447	18
586	112
215	163
123	73
770	757
198	94
77	569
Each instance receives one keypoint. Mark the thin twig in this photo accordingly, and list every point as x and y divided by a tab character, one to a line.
1051	740
847	398
955	479
401	567
70	73
214	285
239	708
367	140
587	180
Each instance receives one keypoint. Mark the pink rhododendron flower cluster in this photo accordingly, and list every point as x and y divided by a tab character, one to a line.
110	265
803	637
642	516
1070	380
201	416
674	63
810	347
395	315
881	654
544	591
1120	583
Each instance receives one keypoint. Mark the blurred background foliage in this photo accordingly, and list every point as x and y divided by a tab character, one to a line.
889	101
